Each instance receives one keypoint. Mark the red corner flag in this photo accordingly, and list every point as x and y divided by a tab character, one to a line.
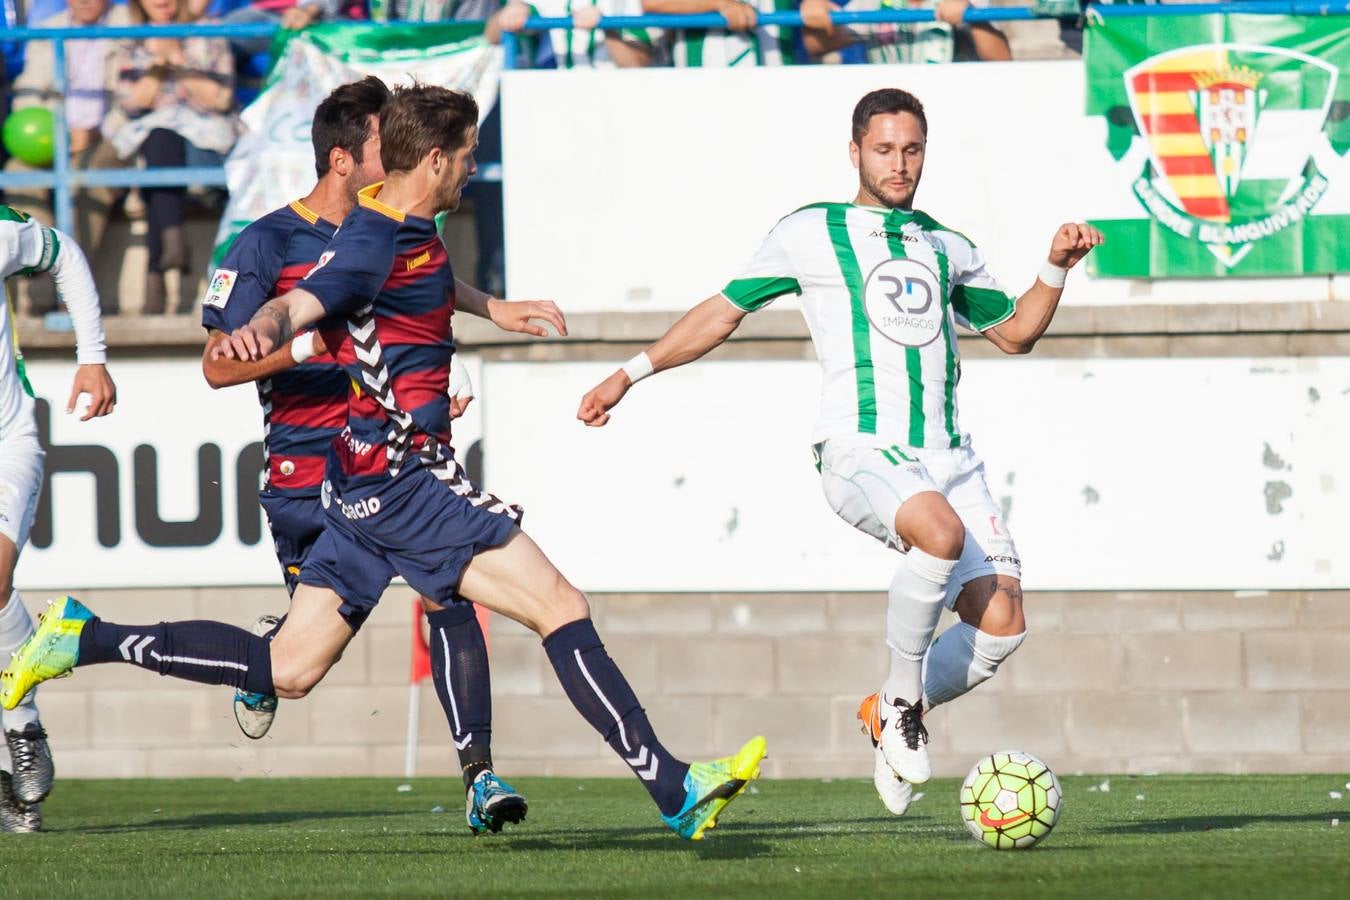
421	650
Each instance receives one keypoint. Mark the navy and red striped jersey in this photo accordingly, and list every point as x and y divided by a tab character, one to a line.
304	407
387	285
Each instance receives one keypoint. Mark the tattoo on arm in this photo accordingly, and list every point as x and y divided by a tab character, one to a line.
278	315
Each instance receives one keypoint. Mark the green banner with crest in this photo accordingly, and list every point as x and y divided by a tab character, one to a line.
1230	134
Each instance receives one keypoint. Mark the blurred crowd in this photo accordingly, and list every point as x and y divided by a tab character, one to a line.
162	102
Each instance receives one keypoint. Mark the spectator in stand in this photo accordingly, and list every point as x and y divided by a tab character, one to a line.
945	39
745	43
293	15
90	115
178	94
584	47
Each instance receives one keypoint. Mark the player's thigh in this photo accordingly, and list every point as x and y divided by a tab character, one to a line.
310	641
517	580
889	494
988	576
21	458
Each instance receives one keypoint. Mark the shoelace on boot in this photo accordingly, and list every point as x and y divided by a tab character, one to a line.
909	722
23	750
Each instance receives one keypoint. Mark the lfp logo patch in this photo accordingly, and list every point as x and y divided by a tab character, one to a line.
218	292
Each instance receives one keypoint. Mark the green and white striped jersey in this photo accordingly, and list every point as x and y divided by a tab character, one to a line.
910	42
765	46
882	291
580	48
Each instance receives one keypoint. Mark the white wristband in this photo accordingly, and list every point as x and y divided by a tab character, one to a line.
639	367
1052	275
302	347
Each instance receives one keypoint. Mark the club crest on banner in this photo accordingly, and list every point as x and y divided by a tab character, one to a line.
1225	169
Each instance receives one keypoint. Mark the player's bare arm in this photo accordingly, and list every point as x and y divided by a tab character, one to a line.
510	315
221	371
1036	308
275	323
696	333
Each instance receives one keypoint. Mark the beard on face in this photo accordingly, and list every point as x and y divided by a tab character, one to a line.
891	198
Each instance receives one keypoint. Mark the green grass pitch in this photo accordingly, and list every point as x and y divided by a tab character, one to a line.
1189	836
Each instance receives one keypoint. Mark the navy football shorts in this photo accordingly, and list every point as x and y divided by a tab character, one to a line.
424	525
296	523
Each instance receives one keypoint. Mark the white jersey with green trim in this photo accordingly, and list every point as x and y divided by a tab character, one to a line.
882	292
26	247
767	45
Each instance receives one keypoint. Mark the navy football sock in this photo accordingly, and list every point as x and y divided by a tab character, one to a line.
601	694
459	669
206	652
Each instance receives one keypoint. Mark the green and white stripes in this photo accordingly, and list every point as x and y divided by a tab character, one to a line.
882	292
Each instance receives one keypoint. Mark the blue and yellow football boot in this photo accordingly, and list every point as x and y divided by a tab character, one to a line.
51	652
710	786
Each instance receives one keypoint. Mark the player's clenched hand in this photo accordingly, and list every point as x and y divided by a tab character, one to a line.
1072	242
595	406
740	16
95	381
519	316
247	344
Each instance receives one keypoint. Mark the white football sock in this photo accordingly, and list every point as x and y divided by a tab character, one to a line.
962	658
916	598
15	628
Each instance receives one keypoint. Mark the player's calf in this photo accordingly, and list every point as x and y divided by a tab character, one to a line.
69	635
970	652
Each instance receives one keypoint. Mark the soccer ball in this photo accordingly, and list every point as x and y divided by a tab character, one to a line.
1010	800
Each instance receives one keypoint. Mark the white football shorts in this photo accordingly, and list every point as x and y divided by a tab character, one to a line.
21	459
866	481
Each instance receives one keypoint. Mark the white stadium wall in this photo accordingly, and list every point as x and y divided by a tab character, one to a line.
654	198
1117	474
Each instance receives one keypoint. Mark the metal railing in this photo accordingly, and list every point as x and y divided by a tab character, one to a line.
62	178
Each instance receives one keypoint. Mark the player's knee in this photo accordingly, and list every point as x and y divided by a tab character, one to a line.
292	681
564	604
1004	617
928	522
942	536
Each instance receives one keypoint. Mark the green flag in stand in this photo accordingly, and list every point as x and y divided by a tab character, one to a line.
1227	137
273	163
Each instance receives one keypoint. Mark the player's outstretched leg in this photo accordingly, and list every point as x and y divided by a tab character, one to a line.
970	652
459	670
517	580
30	757
928	525
297	658
256	712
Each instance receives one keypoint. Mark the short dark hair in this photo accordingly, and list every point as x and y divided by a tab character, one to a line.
421	117
343	120
886	101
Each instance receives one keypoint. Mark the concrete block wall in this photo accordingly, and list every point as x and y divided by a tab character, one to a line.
1106	682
